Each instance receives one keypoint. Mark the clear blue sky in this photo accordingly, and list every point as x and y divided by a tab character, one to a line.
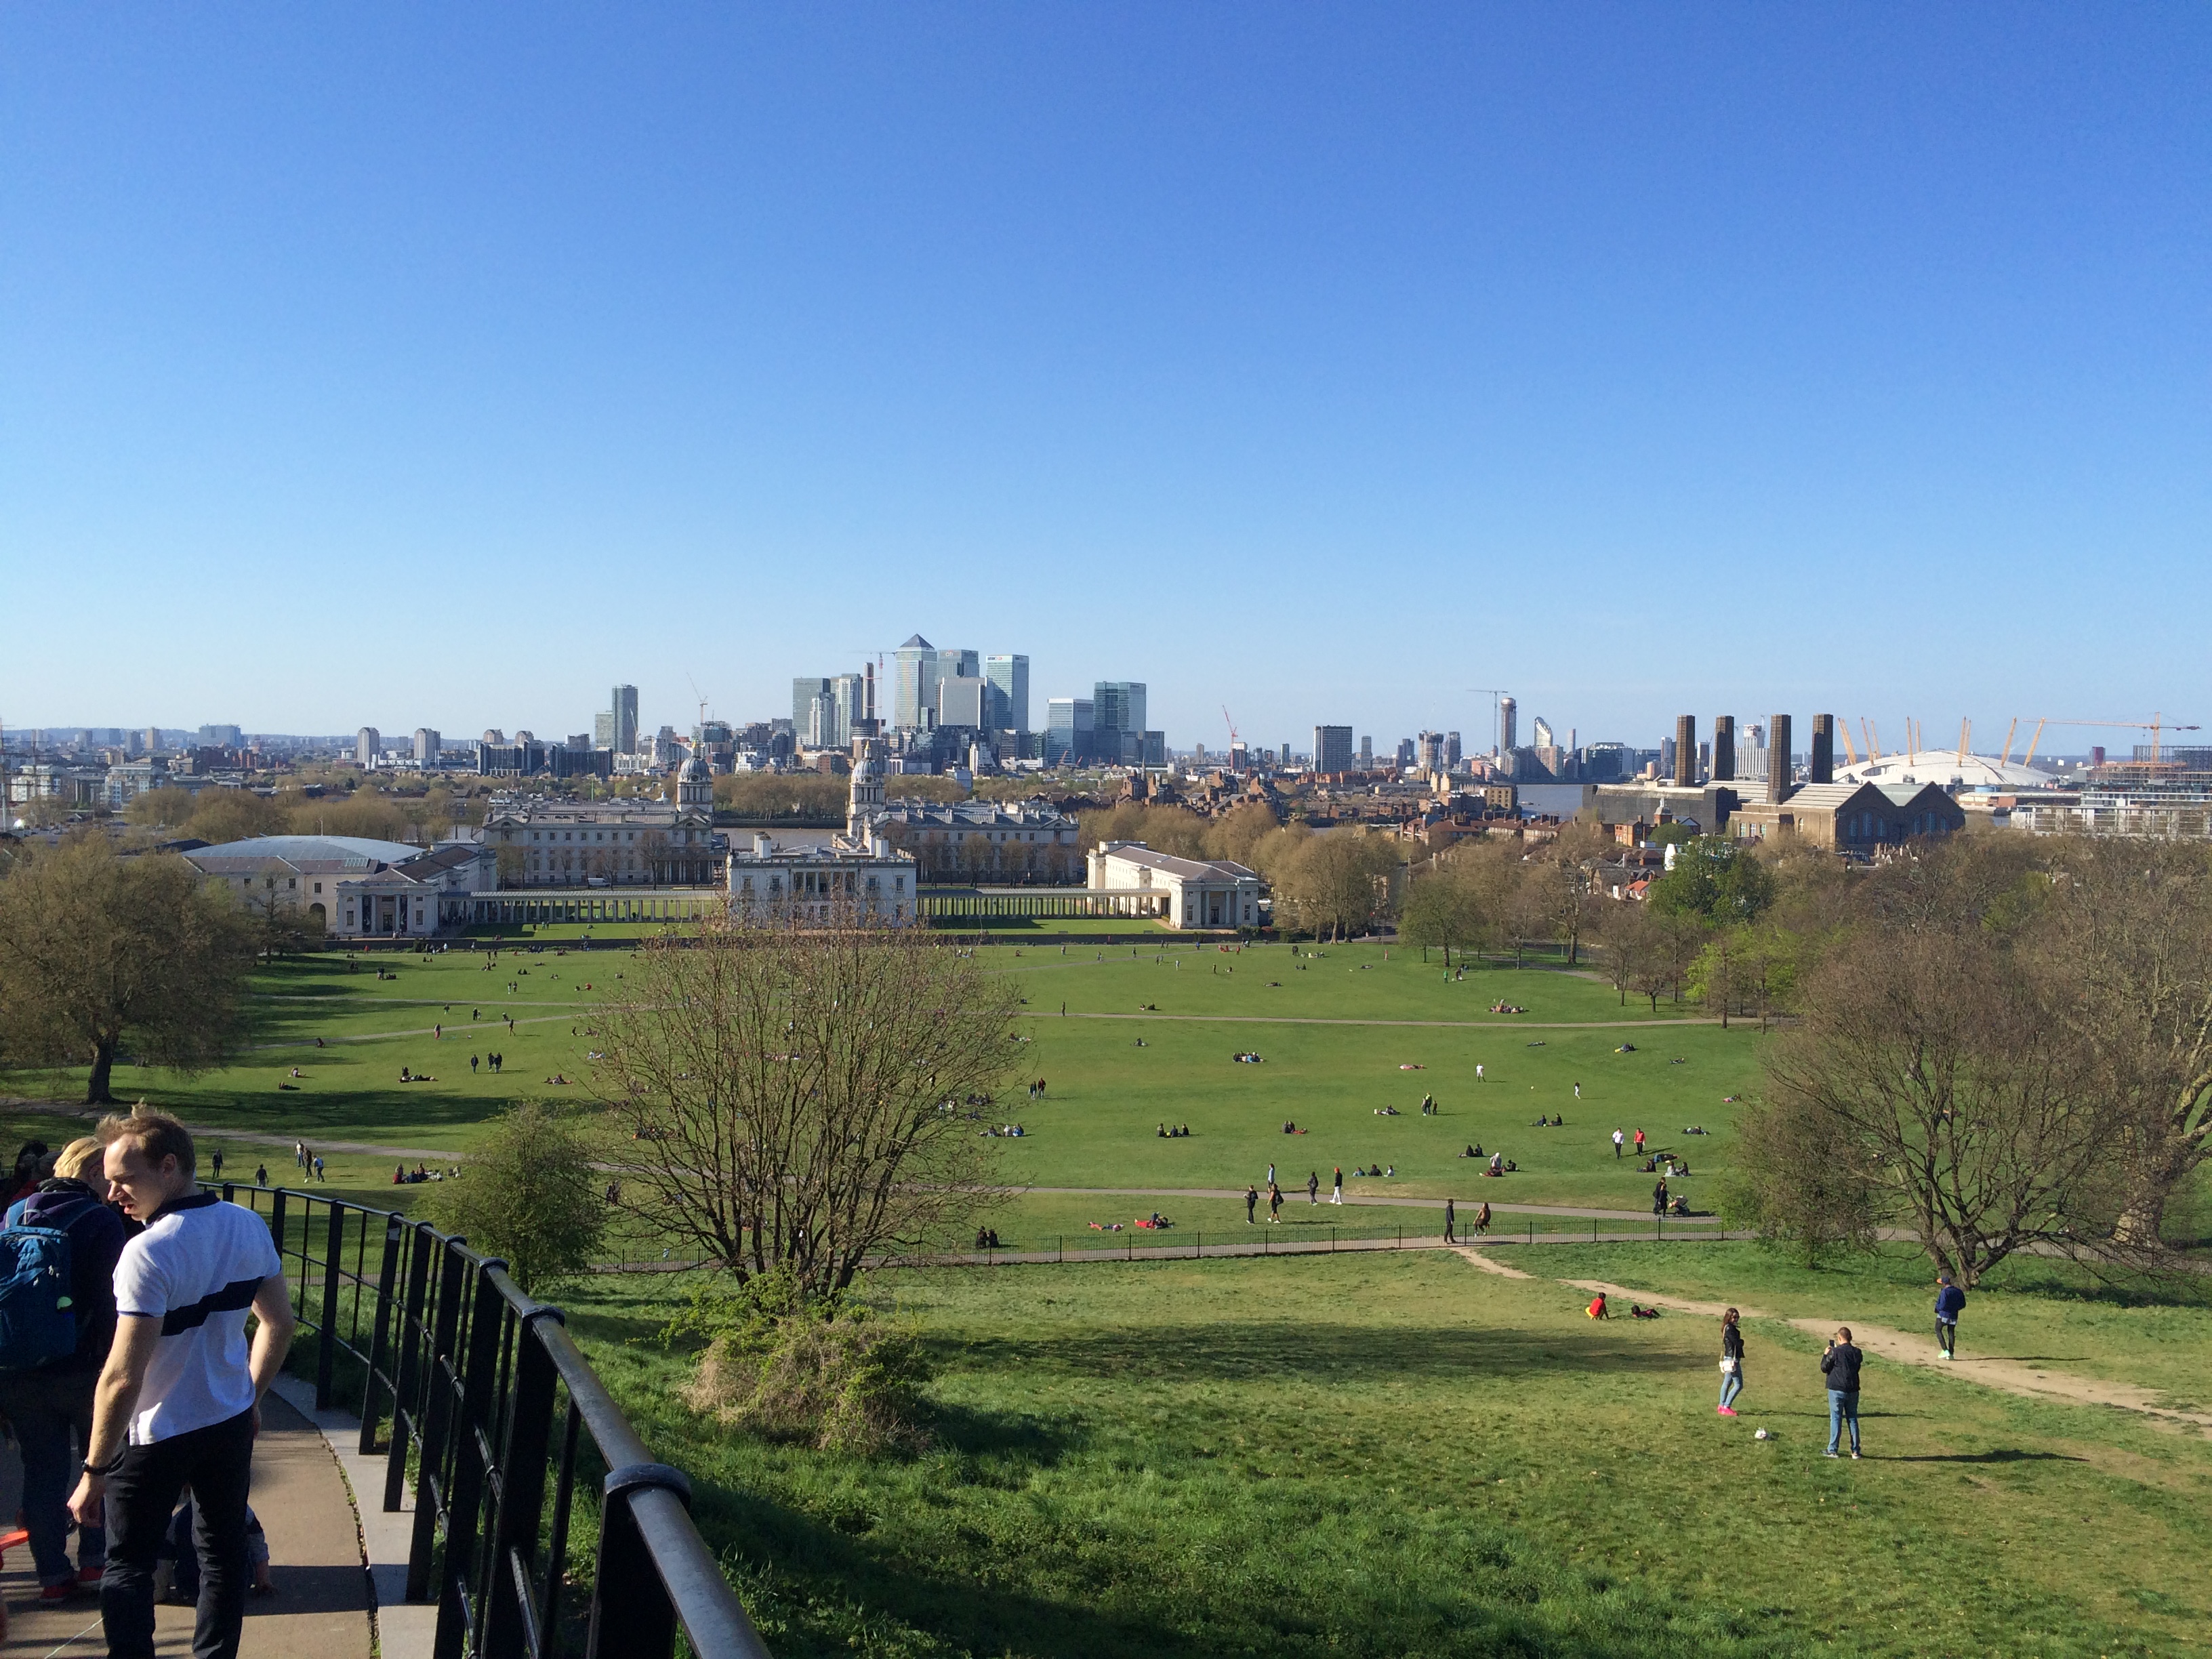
444	364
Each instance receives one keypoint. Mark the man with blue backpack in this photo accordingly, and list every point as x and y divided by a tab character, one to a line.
58	1249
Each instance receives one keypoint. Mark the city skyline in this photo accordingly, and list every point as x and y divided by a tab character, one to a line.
1866	351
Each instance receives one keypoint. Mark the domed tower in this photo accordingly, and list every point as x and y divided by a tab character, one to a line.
695	784
867	797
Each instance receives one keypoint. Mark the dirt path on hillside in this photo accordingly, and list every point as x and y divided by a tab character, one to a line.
1498	1024
2017	1376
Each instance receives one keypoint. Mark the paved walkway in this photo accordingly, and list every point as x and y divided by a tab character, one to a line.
321	1603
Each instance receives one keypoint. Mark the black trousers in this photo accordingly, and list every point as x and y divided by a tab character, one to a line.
217	1463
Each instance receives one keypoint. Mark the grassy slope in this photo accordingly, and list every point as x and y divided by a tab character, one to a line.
1399	1455
1106	1096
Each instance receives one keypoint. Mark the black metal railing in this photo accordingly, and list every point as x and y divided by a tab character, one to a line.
500	1422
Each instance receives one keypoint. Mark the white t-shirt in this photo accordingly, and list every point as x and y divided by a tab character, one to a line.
196	1269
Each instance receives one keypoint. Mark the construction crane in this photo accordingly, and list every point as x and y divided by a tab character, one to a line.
1493	693
2157	726
1850	754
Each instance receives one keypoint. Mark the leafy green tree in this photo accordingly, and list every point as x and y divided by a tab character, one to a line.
1714	877
99	951
529	1194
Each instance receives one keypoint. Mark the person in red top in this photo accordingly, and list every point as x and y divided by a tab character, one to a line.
1597	1309
1639	1143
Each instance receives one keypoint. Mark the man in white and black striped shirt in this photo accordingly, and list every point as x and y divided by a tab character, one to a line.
179	1400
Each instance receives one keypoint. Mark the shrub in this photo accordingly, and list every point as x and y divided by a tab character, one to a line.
528	1193
826	1373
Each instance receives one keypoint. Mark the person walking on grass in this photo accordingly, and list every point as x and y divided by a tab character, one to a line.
179	1400
1950	1301
1274	1201
1659	1197
1731	1362
1251	1202
1841	1364
1450	1217
1482	1220
1313	1186
1336	1192
1617	1139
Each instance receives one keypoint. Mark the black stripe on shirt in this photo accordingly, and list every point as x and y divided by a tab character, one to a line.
238	1294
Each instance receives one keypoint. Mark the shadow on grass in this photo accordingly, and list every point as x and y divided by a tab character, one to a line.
1225	1350
2005	1454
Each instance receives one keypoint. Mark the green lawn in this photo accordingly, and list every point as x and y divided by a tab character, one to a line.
1397	1454
1111	1080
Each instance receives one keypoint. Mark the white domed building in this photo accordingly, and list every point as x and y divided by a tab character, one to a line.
1947	769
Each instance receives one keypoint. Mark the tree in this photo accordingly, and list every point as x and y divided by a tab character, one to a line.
1628	931
167	806
220	816
1714	877
1336	883
809	1099
2124	949
98	950
1236	833
1442	907
1927	1073
528	1192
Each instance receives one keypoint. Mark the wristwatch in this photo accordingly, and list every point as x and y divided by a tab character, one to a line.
104	1470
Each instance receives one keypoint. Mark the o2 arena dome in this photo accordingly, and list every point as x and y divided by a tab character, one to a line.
1947	769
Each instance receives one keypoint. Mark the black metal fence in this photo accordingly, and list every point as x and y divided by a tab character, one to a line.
543	1525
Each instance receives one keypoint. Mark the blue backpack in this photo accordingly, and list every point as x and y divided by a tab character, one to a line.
38	1313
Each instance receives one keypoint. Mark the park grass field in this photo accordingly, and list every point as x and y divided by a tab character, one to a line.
1147	1037
1398	1454
1388	1453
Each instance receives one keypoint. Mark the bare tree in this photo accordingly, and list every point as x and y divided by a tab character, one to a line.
98	950
2125	947
1927	1073
803	1098
1626	929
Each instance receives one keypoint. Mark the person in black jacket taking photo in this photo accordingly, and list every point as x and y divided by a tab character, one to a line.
1841	1363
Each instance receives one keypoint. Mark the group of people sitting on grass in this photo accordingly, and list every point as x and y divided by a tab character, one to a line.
1507	1008
1290	1128
407	1076
1548	1122
1005	1132
986	1239
1380	1172
402	1176
1248	1058
1172	1132
1387	1111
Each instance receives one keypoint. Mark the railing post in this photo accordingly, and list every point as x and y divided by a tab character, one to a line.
277	1227
632	1617
435	1421
521	1493
326	1335
464	1501
379	1348
407	1382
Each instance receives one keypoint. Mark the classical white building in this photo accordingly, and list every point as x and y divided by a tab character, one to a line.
1200	893
631	842
357	889
857	877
